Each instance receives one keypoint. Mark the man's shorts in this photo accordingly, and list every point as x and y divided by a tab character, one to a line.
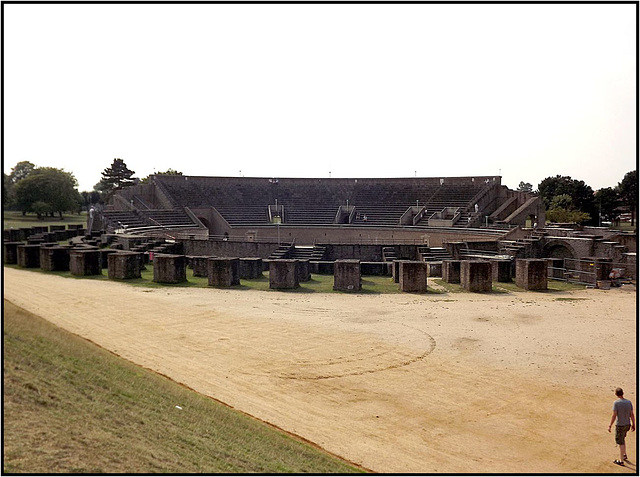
621	433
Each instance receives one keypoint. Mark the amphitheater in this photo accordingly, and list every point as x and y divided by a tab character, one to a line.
513	381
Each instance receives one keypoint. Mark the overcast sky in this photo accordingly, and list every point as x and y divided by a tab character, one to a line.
525	91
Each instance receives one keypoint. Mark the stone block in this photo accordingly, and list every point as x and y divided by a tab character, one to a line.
376	268
321	267
55	258
395	270
434	269
476	275
85	262
412	276
304	270
451	271
124	265
104	254
15	235
250	268
283	274
29	255
501	270
531	273
223	271
10	252
200	265
346	275
603	267
169	268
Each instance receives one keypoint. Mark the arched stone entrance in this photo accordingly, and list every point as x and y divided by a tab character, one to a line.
557	249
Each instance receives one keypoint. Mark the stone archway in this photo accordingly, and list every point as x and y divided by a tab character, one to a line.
558	249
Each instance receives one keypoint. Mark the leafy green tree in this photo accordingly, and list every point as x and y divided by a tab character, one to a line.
561	210
21	171
608	202
525	187
582	196
8	197
115	177
90	198
47	185
169	172
628	191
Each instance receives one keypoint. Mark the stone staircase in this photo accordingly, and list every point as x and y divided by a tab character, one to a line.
433	254
389	254
283	251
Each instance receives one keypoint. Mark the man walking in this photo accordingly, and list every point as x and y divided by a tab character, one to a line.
624	420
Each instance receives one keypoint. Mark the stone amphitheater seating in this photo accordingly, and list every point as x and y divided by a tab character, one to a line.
148	218
245	201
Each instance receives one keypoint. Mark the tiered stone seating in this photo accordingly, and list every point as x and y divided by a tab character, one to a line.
245	201
120	218
147	218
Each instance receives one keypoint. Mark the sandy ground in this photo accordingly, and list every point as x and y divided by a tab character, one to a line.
517	382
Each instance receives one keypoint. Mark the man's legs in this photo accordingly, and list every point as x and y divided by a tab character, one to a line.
621	433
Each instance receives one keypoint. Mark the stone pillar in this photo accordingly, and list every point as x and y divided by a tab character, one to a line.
412	276
169	268
434	269
223	271
250	268
283	274
501	270
200	265
124	265
451	271
29	256
531	273
346	275
55	258
475	275
603	268
395	271
304	273
85	262
10	252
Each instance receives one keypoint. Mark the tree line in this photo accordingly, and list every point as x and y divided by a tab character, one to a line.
46	191
570	200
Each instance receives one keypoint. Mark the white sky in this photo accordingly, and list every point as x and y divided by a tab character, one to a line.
528	91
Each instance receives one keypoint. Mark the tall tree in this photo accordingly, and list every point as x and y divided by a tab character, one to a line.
115	177
21	171
169	172
628	191
581	194
525	187
47	190
608	202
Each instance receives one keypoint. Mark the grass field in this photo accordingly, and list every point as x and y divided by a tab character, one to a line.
13	219
318	283
72	407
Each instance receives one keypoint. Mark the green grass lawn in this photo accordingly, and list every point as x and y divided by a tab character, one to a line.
73	407
372	285
13	219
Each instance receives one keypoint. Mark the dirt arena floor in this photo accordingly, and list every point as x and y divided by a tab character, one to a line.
457	382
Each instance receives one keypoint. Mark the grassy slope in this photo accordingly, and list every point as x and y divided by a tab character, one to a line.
70	407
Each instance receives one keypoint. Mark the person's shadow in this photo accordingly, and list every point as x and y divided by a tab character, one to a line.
631	465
